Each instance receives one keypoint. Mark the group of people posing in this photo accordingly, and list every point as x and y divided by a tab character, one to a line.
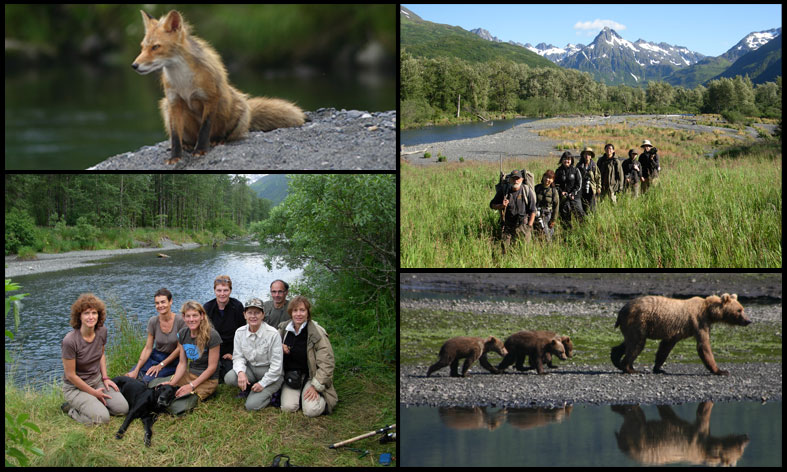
265	349
571	188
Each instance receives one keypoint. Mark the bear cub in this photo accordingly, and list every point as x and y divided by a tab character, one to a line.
534	344
470	349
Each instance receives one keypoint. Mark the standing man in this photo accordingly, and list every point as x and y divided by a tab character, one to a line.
517	204
226	314
650	165
276	308
611	173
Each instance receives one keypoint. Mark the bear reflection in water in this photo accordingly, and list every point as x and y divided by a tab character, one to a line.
672	440
479	417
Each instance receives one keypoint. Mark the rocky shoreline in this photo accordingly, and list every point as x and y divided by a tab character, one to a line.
74	259
762	288
523	141
330	140
590	384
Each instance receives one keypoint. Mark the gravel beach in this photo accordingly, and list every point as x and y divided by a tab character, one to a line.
764	288
73	259
523	141
597	385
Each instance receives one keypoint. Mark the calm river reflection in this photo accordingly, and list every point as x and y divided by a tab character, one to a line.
734	433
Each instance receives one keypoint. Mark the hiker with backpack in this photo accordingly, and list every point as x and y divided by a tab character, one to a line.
547	201
650	165
568	181
517	205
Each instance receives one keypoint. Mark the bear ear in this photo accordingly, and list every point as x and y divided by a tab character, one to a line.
725	298
489	339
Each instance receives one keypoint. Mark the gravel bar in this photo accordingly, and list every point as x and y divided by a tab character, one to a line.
330	140
15	267
590	384
523	141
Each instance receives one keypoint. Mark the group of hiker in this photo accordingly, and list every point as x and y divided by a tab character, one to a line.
572	189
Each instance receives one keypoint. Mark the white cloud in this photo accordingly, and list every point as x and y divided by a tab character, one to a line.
589	28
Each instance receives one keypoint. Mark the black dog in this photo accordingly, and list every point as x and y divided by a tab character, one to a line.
143	403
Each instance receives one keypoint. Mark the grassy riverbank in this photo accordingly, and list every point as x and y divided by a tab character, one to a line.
706	212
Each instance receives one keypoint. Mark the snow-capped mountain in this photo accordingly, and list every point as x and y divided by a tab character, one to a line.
554	53
614	60
751	42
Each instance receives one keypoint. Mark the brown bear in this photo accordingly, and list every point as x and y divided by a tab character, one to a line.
469	348
534	344
671	320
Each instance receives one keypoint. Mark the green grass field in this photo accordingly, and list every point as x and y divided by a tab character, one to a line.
705	213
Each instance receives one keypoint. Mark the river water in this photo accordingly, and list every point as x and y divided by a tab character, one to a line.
127	283
433	134
724	433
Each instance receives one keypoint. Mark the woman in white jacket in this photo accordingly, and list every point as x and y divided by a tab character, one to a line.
256	358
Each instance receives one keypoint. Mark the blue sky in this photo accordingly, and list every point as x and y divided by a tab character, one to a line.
708	29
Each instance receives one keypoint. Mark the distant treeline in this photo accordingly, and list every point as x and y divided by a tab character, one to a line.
430	87
215	202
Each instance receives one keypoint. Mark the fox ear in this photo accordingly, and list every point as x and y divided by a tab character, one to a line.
147	20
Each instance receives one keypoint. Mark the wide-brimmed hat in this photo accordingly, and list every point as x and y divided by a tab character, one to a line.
588	150
646	143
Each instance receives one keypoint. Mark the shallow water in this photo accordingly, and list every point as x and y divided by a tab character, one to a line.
734	433
433	134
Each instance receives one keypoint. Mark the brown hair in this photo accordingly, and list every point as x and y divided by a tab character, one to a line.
297	301
85	301
163	292
203	332
224	280
550	174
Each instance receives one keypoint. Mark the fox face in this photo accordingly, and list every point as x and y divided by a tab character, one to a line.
160	41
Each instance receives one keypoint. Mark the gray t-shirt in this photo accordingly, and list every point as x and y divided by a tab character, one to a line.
198	363
86	354
165	342
274	316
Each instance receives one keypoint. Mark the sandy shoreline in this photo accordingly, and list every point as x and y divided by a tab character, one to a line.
73	259
523	141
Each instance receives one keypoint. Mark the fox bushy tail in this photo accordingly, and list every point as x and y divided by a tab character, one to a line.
272	113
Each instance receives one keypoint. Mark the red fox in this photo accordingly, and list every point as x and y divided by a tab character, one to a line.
200	105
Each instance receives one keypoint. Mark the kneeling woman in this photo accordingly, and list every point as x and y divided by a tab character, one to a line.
90	395
306	351
199	353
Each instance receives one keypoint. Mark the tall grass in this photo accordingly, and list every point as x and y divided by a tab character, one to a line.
705	212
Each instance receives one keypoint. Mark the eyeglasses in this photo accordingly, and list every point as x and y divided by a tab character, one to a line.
278	291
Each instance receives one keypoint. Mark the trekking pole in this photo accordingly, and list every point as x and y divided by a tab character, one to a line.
365	435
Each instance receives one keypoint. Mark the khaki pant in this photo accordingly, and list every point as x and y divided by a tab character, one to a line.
650	181
290	401
88	409
255	400
188	402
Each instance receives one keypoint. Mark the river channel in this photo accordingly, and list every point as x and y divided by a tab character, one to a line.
127	283
433	134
